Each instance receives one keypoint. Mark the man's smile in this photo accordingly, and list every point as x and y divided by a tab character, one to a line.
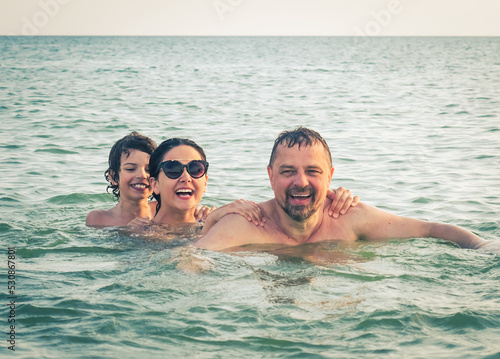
299	199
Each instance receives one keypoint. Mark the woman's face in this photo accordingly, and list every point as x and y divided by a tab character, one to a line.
183	193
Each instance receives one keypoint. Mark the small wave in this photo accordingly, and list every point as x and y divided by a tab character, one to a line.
466	319
421	200
128	69
57	151
113	127
39	101
5	227
486	116
43	251
75	198
114	99
483	157
344	159
8	199
12	147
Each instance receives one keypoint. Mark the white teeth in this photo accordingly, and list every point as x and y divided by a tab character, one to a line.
184	191
139	185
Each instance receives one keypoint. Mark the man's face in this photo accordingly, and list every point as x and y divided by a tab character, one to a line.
300	179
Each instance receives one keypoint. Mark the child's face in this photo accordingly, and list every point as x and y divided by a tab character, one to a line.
133	180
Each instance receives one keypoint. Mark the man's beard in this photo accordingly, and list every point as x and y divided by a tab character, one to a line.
299	213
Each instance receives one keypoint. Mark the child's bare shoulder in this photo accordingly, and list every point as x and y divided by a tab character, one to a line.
101	218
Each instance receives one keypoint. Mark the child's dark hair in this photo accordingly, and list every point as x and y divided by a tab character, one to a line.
133	141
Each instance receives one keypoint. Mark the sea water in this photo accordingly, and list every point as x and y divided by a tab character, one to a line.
414	128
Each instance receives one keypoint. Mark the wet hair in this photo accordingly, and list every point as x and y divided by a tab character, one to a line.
301	136
133	141
157	158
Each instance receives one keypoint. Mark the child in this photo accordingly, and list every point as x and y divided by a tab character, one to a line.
128	177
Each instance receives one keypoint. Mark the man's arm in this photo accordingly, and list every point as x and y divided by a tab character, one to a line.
373	223
460	236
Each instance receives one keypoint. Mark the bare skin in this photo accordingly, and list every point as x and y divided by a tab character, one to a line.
135	190
340	202
299	178
361	222
120	215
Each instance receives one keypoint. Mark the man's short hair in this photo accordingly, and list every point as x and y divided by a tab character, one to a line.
301	136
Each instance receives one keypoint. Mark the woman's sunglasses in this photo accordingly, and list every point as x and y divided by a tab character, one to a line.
174	169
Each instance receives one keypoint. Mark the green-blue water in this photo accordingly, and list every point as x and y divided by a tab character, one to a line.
413	124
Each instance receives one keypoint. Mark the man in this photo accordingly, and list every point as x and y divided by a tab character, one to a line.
300	170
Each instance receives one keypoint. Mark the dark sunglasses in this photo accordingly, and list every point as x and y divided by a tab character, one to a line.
174	169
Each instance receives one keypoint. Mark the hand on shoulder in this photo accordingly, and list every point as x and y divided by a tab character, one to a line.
139	222
201	212
342	200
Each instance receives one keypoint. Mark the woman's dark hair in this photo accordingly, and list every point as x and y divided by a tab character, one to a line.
157	158
133	141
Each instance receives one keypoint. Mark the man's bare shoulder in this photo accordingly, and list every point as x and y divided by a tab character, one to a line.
353	214
363	212
349	226
233	230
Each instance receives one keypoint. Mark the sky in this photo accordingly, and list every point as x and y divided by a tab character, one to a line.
251	17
